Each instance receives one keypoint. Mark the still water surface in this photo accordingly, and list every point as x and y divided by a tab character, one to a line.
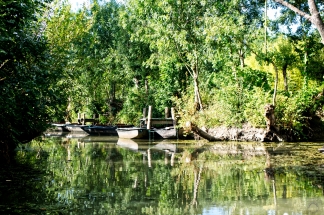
107	175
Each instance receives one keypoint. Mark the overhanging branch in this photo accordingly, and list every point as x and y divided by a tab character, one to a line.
295	9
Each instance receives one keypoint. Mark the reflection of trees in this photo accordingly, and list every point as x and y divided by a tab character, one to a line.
100	178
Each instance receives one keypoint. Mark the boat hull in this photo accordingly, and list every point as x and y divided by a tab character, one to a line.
75	127
172	133
101	130
58	127
132	133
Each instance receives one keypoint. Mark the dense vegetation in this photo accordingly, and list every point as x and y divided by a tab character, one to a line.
217	62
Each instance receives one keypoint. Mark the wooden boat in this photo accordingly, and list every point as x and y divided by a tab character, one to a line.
75	127
100	130
132	133
58	127
167	132
172	133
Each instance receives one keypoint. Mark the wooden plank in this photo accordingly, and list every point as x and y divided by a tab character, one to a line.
160	121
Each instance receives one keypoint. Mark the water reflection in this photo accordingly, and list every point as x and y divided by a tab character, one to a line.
107	175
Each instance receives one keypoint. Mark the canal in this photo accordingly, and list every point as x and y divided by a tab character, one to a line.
107	175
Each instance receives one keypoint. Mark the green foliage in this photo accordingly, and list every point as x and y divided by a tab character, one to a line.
27	84
294	112
116	59
254	106
133	106
231	100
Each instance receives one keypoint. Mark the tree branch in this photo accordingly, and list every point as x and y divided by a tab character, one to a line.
314	18
295	9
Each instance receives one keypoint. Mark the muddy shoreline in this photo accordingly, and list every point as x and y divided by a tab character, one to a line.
249	133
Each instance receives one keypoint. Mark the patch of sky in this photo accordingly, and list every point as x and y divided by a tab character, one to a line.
77	4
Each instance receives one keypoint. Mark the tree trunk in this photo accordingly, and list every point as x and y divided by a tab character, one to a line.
271	134
241	55
275	86
198	102
146	86
192	127
316	18
270	117
284	75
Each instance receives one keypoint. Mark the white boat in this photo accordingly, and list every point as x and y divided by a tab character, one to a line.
132	133
75	127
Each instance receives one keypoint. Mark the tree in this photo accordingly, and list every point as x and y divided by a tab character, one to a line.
64	31
174	32
313	15
26	84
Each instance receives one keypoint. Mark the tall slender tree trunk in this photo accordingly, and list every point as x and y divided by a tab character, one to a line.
284	75
275	86
198	102
305	70
241	55
316	18
146	86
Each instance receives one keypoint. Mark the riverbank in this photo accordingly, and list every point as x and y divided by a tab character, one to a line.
249	133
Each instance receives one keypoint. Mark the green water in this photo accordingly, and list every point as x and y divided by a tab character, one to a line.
106	175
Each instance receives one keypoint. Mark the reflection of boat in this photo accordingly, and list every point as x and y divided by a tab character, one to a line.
172	133
76	135
55	133
127	143
132	133
100	130
167	147
90	138
139	145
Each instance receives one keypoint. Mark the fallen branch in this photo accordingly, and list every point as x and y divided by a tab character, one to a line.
192	127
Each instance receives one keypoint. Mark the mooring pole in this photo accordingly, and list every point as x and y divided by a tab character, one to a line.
79	118
149	117
144	113
166	112
173	116
174	120
83	122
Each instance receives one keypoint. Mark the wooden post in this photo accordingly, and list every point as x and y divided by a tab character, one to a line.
144	113
173	116
83	116
94	119
149	117
79	118
166	112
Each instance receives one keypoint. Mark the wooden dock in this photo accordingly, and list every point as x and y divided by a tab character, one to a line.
83	120
167	121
